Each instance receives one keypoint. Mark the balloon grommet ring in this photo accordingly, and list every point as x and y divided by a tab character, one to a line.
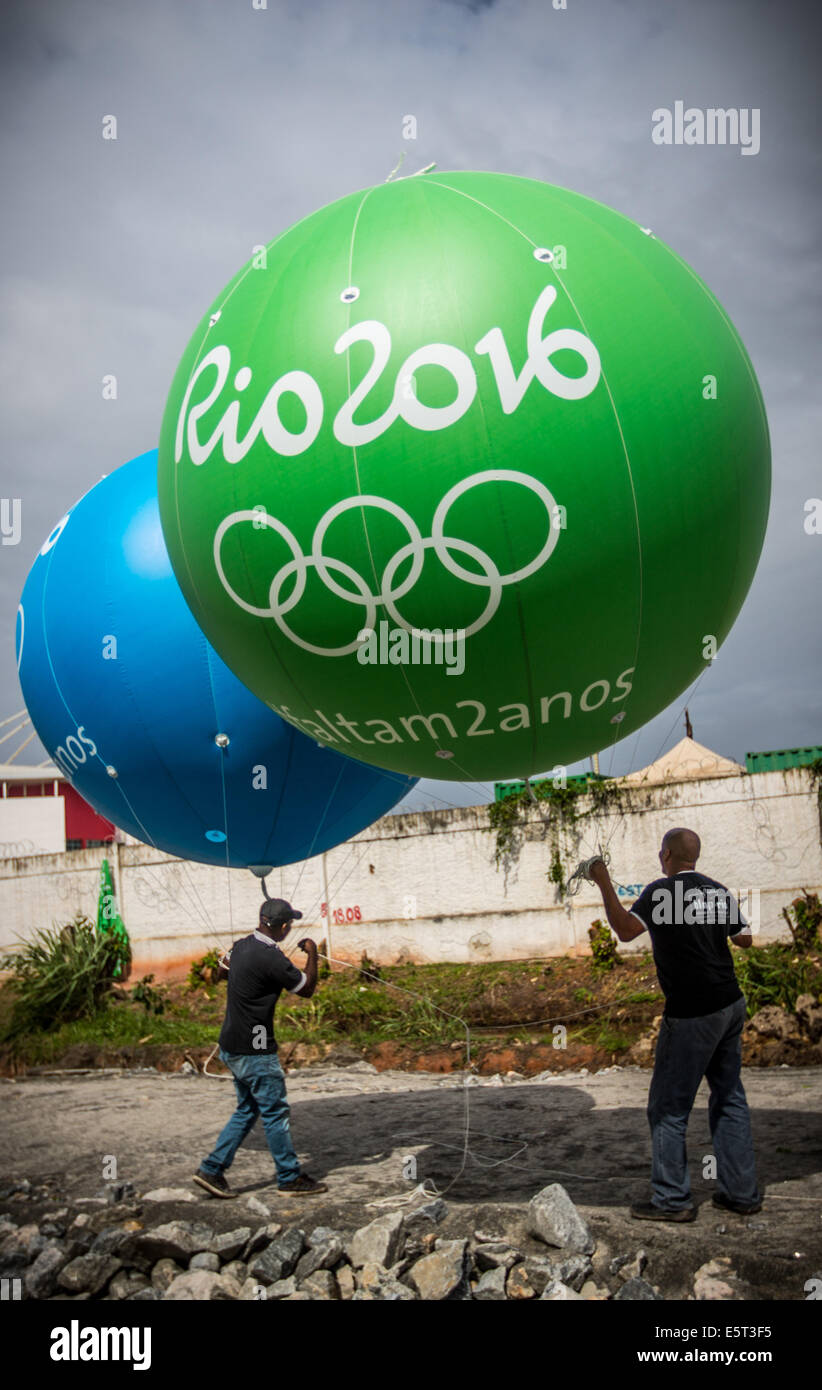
112	771
222	740
214	317
443	753
348	296
541	253
618	718
216	836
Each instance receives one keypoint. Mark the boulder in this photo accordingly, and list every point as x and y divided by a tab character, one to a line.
809	1013
164	1273
491	1284
205	1260
176	1240
202	1285
321	1285
553	1218
279	1258
518	1284
378	1243
444	1273
231	1244
637	1290
557	1292
41	1277
88	1273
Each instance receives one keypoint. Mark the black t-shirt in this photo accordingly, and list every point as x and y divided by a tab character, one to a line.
689	918
259	972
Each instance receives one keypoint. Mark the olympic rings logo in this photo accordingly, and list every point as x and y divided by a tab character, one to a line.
390	593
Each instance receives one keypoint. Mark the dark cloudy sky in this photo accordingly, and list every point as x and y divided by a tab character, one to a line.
234	122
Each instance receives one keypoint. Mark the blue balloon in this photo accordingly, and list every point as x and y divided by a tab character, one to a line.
147	722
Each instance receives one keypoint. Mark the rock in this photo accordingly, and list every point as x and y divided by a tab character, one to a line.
518	1285
16	1246
321	1235
252	1291
231	1243
237	1270
88	1273
773	1022
573	1271
557	1292
113	1193
443	1273
53	1225
594	1292
202	1285
205	1260
261	1237
378	1243
149	1295
809	1013
553	1218
321	1257
177	1240
164	1273
435	1212
282	1288
259	1208
279	1259
169	1194
41	1277
298	1297
376	1283
112	1241
497	1255
637	1290
711	1280
630	1268
321	1285
346	1282
491	1285
126	1282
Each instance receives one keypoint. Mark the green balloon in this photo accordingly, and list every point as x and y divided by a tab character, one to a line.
465	475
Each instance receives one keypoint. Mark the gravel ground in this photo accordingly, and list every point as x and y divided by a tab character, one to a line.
359	1130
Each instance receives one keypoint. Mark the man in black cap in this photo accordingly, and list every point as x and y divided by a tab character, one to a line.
257	973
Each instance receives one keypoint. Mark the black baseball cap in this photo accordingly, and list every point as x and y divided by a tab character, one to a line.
278	910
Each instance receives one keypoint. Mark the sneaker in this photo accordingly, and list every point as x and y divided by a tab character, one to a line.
741	1208
304	1186
214	1183
646	1211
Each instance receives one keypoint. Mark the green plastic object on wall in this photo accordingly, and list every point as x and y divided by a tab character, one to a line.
110	923
465	475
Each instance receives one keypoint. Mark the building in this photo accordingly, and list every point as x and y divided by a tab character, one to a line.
41	813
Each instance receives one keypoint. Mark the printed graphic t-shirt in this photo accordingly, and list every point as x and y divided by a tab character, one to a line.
259	972
689	918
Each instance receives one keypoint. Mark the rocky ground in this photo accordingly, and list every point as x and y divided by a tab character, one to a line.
535	1206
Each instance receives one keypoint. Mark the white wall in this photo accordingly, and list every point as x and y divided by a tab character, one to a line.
760	834
32	825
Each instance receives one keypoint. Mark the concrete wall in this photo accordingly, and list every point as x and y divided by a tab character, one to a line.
425	886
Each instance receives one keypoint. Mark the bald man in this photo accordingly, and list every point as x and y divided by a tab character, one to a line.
690	919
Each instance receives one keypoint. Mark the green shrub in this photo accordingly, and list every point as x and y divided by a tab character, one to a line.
62	973
204	970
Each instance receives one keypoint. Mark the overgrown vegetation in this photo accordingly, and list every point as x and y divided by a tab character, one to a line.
62	973
565	810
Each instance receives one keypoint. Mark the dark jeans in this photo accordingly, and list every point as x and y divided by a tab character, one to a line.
687	1050
260	1086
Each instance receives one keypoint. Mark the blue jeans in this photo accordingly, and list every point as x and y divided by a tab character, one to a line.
260	1086
687	1050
